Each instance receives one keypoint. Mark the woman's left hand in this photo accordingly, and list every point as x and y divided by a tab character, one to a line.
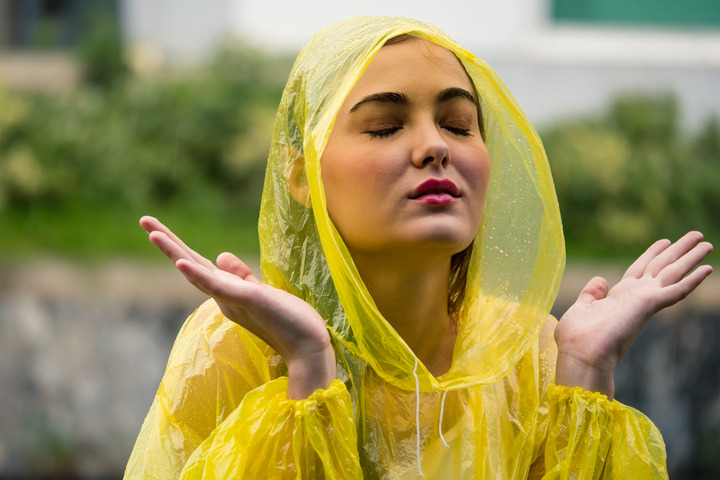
599	328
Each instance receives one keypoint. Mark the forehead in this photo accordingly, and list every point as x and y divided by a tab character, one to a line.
412	62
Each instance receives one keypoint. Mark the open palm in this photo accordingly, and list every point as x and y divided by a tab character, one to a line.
285	322
596	331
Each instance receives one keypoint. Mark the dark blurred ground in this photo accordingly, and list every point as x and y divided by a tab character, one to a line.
83	348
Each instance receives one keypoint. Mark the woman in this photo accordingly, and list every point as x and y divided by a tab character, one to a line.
411	250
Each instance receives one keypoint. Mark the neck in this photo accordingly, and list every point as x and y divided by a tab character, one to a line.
412	295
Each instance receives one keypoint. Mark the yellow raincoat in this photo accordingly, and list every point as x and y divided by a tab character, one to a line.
222	409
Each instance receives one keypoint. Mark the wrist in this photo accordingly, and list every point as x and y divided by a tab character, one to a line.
310	371
574	372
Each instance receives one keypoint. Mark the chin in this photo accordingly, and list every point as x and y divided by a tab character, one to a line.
448	234
445	241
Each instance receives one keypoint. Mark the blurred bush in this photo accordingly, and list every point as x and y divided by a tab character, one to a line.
101	52
184	141
632	175
78	170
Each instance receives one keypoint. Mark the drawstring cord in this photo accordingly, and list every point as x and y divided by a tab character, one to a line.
442	411
417	416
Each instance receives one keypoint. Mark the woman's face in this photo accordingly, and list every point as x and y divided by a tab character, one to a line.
405	168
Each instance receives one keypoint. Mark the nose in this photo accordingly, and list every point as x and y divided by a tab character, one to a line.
430	146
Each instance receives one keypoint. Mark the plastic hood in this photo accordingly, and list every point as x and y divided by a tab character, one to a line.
518	255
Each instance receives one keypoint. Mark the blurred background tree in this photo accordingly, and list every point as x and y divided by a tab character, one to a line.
101	52
79	169
190	146
633	175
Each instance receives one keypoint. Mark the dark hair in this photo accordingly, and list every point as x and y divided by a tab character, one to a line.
459	265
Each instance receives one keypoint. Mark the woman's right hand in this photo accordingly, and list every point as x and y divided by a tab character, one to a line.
285	322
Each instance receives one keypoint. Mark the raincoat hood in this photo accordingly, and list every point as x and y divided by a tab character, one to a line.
518	252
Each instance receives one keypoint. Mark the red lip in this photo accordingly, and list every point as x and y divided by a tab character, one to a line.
437	187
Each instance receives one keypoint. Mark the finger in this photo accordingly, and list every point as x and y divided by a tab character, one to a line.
211	282
194	273
232	264
148	223
673	253
596	289
180	265
172	250
152	224
678	291
675	272
637	269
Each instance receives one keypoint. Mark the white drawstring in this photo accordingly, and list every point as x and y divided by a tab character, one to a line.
442	410
417	416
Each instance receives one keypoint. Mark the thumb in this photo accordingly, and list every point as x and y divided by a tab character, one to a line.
596	289
228	262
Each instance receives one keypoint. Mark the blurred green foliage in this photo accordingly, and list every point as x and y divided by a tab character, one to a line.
191	143
77	171
632	176
101	51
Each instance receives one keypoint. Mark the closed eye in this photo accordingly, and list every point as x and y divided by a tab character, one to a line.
464	132
383	132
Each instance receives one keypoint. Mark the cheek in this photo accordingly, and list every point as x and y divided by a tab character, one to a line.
476	170
363	171
333	172
344	179
482	172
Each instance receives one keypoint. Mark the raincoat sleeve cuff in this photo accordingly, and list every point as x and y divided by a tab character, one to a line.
590	436
269	435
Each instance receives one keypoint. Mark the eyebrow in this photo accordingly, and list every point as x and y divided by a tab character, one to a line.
401	99
382	97
455	92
